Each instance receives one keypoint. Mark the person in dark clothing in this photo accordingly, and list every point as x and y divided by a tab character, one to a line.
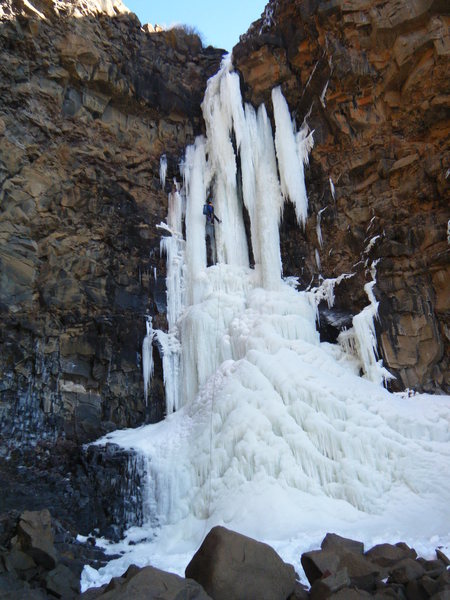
208	210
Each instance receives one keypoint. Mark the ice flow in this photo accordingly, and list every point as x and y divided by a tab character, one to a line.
274	433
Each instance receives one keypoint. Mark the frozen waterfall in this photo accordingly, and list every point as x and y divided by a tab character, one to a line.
274	434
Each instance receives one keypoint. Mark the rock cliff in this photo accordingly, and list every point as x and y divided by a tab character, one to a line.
90	100
372	76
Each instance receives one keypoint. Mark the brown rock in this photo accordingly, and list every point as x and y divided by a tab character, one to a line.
387	555
232	566
371	77
141	584
35	537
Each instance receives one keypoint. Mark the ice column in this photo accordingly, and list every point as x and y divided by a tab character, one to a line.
173	247
163	170
221	104
292	152
147	357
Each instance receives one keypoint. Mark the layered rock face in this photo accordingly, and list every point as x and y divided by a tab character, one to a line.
90	100
372	76
89	103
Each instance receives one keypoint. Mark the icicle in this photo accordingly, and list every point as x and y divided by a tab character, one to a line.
147	357
162	170
318	226
290	159
323	94
333	191
326	290
317	255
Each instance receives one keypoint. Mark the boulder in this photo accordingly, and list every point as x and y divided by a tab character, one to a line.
336	559
406	570
318	562
326	586
35	537
387	555
232	566
341	545
62	583
146	583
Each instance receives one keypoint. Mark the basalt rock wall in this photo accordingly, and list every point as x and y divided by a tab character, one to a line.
372	79
89	101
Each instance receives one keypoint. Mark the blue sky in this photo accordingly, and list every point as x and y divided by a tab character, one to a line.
219	22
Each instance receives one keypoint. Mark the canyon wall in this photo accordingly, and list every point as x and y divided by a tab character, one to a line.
372	79
90	100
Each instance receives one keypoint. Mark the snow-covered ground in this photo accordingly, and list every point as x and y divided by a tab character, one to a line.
269	431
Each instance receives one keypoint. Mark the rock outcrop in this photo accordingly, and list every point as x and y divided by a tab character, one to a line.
372	79
89	102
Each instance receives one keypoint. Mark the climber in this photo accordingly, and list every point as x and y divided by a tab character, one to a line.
208	210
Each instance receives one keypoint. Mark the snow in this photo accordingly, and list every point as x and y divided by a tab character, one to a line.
269	431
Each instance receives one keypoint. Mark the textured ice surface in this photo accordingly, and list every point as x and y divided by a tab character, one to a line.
275	434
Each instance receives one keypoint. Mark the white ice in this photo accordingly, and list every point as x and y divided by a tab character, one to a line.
147	357
163	170
274	433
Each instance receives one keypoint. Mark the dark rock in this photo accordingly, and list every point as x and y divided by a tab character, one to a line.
16	560
142	584
350	594
231	566
415	591
387	555
405	571
429	585
35	537
340	545
318	562
433	567
12	588
444	579
443	557
326	586
62	582
362	572
300	592
441	595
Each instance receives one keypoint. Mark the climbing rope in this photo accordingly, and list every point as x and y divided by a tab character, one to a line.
213	398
